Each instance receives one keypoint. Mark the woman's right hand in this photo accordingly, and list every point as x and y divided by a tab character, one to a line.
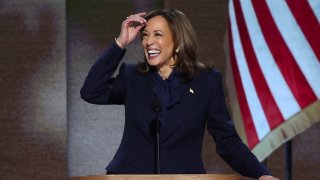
130	28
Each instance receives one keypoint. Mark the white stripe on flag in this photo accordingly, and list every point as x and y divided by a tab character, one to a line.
276	82
297	43
315	6
258	116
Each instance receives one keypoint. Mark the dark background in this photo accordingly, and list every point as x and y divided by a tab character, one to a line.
47	48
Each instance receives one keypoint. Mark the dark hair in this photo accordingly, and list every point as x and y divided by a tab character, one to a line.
184	38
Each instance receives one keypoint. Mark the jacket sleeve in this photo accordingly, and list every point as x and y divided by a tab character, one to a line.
228	143
99	86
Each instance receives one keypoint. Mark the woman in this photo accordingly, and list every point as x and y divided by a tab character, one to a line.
168	98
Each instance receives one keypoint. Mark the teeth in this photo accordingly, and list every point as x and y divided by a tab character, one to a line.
153	51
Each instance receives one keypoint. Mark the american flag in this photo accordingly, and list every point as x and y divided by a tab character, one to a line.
273	73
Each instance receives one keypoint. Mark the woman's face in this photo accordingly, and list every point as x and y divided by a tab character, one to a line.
157	41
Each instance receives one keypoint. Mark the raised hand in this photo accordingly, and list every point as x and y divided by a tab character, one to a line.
130	28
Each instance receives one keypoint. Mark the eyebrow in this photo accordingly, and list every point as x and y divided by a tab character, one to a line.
153	31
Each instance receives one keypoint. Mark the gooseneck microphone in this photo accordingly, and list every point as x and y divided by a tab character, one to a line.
156	105
157	108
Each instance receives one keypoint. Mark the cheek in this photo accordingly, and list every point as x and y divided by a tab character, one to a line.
143	44
144	49
169	49
168	52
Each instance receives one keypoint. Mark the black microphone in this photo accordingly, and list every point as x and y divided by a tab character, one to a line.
156	105
157	108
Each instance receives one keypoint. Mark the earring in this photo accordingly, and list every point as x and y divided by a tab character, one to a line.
177	50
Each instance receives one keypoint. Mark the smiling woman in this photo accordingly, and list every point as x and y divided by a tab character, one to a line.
158	45
163	131
178	39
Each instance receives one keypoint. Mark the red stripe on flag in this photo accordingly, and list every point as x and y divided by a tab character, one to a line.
250	130
267	101
308	23
283	57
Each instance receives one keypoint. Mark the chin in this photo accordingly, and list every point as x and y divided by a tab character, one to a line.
152	63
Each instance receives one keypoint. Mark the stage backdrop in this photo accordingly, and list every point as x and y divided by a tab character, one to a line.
33	90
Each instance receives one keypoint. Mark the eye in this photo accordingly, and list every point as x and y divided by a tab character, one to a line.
158	34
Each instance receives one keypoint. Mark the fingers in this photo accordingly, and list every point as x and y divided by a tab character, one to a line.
130	28
138	15
141	14
136	20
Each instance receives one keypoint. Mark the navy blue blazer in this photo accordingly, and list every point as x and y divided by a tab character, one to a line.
181	137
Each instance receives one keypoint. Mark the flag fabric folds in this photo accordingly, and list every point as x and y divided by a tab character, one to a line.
273	70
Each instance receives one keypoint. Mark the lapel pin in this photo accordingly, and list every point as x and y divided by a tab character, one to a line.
191	91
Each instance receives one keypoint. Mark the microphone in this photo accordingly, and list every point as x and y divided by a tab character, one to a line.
156	105
157	108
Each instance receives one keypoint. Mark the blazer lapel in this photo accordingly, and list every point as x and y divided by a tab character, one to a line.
188	94
143	91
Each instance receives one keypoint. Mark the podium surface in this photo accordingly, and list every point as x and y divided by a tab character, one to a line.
163	177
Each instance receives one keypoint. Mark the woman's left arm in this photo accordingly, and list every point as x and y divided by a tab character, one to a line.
228	143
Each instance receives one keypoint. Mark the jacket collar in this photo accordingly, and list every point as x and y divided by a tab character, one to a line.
188	93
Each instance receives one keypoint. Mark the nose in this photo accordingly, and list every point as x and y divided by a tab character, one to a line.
148	41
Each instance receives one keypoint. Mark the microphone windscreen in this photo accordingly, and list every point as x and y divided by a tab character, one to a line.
156	105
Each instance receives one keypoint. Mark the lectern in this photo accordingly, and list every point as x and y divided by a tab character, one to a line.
163	177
